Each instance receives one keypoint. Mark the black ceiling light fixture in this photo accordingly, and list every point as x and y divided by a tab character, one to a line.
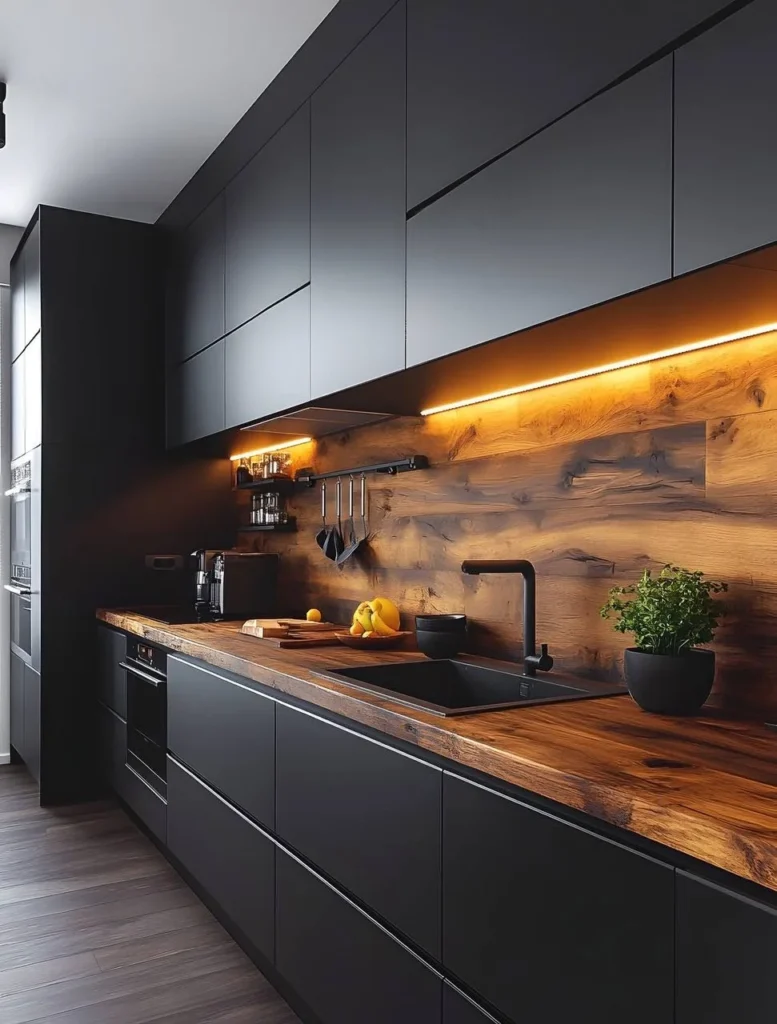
2	115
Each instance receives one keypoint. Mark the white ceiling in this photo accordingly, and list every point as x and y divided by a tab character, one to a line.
114	104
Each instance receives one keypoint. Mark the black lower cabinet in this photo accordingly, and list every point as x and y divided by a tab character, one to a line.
111	678
346	968
232	859
459	1009
144	801
32	721
113	748
726	952
366	815
17	704
225	732
549	922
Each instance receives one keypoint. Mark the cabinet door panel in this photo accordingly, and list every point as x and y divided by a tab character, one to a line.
358	214
111	679
18	413
458	1009
578	214
226	733
195	316
144	801
268	361
366	815
475	86
726	948
18	335
17	705
32	284
268	224
524	893
725	96
32	722
196	397
345	967
33	396
113	749
228	855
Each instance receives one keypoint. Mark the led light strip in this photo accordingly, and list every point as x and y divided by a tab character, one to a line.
752	332
272	448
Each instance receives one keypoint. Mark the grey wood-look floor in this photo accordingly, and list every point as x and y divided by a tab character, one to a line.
97	928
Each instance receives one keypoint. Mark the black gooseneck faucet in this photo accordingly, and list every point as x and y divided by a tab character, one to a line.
531	660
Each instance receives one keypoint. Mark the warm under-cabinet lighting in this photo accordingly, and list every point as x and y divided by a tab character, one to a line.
272	448
751	332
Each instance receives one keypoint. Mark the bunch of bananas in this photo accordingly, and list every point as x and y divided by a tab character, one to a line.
379	617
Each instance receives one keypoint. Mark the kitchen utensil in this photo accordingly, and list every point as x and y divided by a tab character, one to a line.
453	623
323	534
351	540
334	544
439	645
284	628
371	643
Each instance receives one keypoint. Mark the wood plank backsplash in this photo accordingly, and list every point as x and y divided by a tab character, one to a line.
592	480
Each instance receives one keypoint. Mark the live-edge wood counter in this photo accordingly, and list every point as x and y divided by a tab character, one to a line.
706	786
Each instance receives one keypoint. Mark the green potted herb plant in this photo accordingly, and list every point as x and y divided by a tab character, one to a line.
670	614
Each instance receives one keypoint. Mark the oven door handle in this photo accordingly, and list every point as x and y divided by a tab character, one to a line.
145	676
19	591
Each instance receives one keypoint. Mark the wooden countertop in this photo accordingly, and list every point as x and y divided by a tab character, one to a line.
706	786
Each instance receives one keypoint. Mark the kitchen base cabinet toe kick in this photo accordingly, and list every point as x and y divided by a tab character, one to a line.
296	826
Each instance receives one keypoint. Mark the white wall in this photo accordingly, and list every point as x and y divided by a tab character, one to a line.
9	239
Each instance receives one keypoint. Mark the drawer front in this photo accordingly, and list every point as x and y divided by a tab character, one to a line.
111	680
113	748
225	852
226	733
144	801
534	907
367	816
346	968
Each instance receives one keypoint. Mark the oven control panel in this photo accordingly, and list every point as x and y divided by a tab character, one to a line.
146	654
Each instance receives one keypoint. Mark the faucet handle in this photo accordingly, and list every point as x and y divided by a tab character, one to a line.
542	661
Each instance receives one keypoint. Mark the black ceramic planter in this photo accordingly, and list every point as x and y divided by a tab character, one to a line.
669	684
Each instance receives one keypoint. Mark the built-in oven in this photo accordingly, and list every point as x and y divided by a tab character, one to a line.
20	583
146	668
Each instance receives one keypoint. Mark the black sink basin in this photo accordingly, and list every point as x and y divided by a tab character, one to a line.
452	687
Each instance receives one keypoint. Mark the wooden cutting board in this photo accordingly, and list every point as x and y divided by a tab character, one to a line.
292	632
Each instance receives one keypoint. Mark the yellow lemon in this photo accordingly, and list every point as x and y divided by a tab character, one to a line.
314	615
387	611
356	629
380	626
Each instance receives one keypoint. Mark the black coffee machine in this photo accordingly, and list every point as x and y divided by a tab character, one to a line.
235	585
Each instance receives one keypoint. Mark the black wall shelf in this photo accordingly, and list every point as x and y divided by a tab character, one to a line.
271	485
407	465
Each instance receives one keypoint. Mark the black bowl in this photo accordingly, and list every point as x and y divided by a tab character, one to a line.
439	645
441	623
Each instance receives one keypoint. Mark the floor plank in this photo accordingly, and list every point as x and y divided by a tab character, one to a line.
97	928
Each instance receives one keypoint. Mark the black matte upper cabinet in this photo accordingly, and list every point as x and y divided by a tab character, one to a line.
267	361
726	946
268	223
725	148
32	295
365	814
232	859
195	295
18	337
224	731
482	75
578	214
549	922
344	966
458	1009
358	213
195	396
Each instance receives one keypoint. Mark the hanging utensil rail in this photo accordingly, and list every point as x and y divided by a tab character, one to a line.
412	462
